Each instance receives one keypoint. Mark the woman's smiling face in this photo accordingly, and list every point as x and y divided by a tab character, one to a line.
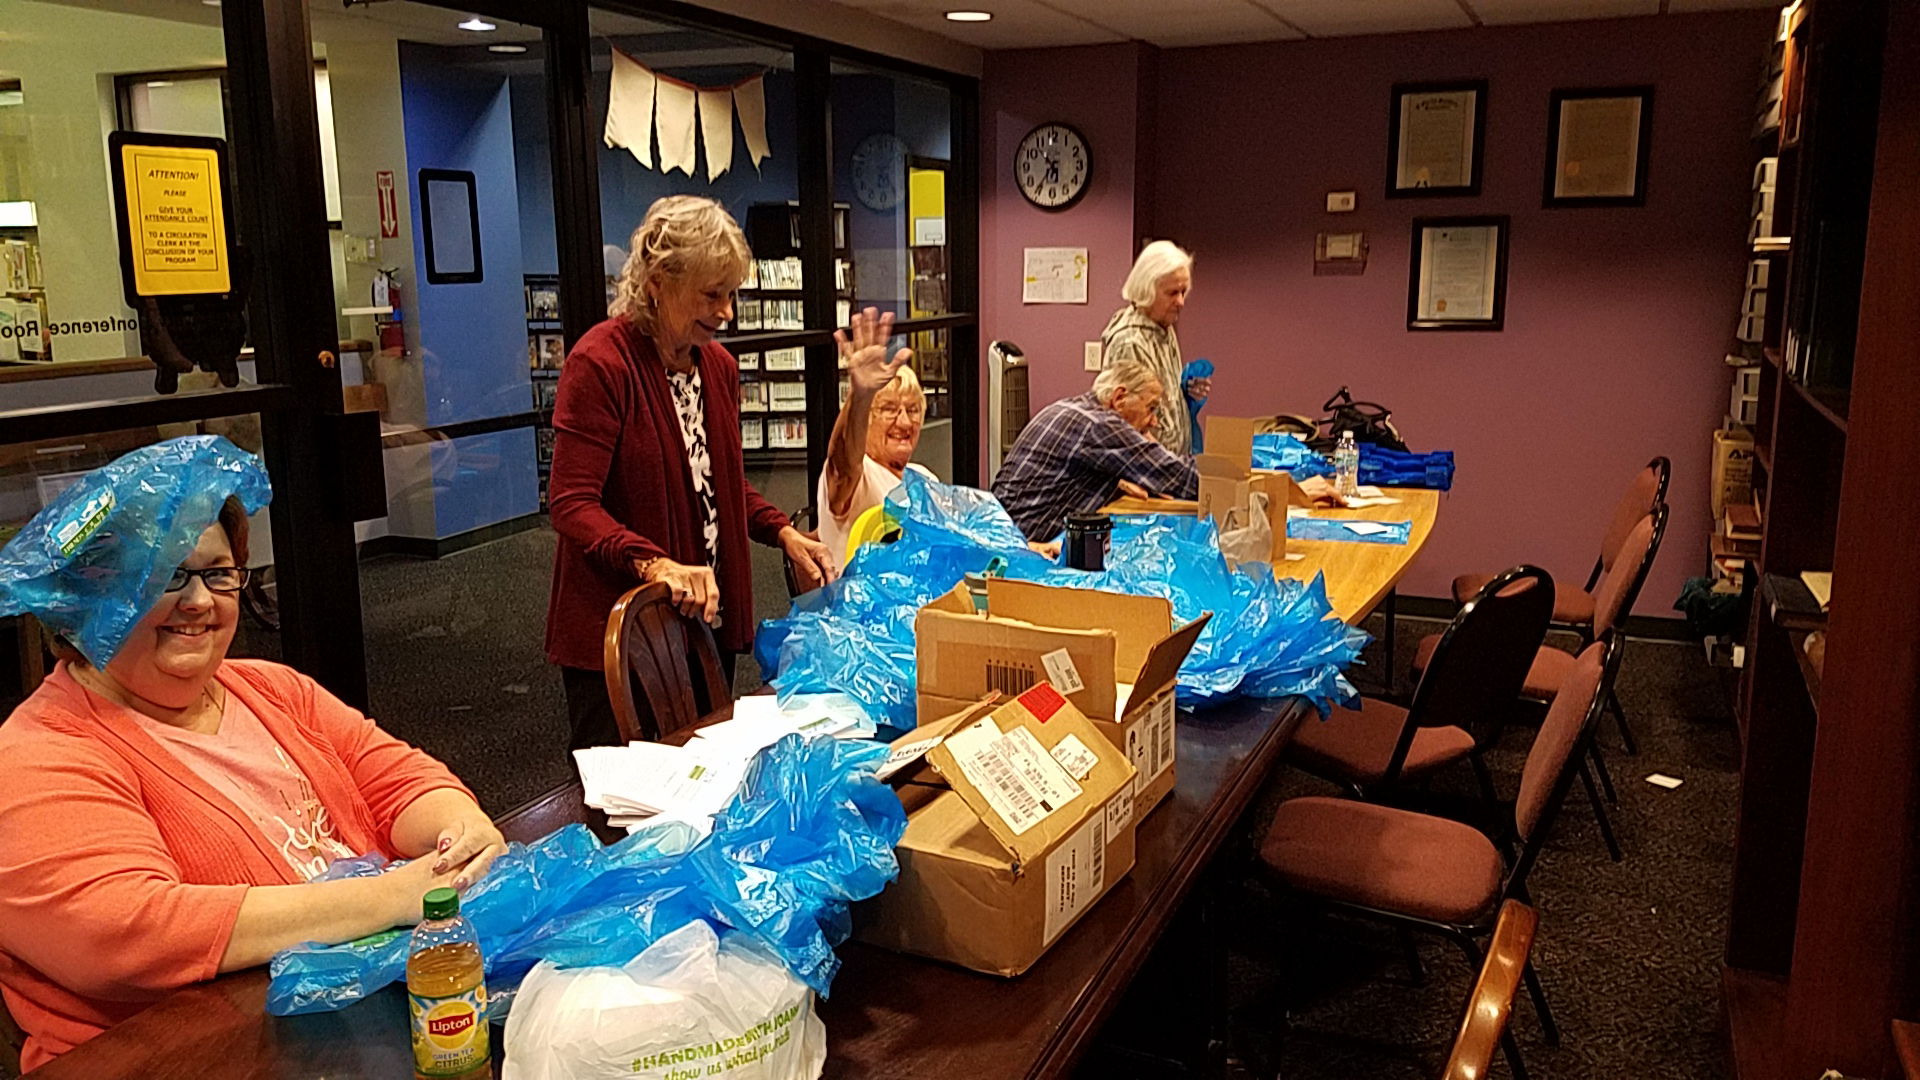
184	636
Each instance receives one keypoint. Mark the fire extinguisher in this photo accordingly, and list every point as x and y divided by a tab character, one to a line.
393	329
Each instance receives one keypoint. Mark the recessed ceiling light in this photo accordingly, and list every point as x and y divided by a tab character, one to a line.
477	25
507	48
969	16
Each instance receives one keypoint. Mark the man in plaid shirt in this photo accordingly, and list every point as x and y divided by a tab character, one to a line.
1081	452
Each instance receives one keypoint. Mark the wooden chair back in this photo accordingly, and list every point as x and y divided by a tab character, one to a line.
663	669
801	519
542	814
1481	661
1490	1006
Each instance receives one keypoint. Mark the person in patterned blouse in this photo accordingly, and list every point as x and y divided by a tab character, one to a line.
648	481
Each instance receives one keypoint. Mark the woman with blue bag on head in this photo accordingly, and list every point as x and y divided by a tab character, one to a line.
164	809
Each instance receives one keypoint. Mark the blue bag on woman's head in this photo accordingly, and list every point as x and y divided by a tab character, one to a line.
94	560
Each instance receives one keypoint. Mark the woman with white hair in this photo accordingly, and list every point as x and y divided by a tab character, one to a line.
1156	292
648	482
878	430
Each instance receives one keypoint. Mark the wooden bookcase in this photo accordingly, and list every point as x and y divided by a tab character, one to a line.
1821	944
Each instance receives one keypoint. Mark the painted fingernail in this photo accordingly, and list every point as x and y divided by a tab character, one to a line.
446	842
440	867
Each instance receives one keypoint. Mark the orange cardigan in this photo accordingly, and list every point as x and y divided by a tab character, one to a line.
121	871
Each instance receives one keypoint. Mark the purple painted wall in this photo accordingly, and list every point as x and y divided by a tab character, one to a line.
1616	319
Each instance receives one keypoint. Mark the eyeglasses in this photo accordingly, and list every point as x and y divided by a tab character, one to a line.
890	413
220	579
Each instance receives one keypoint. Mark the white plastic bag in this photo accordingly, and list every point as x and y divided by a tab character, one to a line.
692	1005
1248	535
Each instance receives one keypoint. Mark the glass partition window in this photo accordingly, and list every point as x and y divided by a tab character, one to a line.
892	153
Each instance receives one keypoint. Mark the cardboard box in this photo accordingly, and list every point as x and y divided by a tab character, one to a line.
1227	476
1114	656
1018	821
1732	477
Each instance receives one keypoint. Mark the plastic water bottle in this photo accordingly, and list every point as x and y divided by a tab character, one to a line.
1346	466
447	993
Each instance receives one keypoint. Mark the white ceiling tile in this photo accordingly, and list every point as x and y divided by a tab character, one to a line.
1016	24
1338	18
1504	12
1194	22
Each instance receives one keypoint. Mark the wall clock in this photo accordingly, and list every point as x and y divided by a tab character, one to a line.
1052	166
880	171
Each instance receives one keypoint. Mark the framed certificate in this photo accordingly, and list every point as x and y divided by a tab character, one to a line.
1459	274
1435	139
1597	143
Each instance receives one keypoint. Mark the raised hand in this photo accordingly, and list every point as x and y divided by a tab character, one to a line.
868	368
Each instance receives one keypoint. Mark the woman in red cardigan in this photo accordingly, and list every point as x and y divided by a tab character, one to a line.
648	482
162	813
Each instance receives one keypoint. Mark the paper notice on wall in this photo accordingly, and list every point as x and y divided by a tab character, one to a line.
630	108
675	106
1054	276
1075	872
1016	775
750	101
716	130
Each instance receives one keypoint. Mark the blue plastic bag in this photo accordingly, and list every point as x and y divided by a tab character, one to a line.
1313	528
1378	465
92	562
1198	369
809	832
1269	637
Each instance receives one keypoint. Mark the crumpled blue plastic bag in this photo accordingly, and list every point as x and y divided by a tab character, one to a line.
91	563
1378	465
809	831
1316	528
1268	638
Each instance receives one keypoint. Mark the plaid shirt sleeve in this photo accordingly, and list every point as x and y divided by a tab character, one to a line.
1113	448
1070	458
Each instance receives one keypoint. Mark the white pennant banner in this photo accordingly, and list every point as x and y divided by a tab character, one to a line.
716	131
630	108
750	101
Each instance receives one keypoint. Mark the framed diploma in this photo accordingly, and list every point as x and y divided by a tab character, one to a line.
1434	139
1597	143
1459	274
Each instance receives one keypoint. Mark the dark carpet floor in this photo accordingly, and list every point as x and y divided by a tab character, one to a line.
1629	951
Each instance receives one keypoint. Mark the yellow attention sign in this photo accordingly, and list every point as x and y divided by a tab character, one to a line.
178	225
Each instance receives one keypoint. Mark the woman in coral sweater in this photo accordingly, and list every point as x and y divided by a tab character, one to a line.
162	813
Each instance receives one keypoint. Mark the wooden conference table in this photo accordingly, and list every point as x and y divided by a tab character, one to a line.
890	1015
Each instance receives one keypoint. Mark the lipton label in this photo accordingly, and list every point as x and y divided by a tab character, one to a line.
449	1033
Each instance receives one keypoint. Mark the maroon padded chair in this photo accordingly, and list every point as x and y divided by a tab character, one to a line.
1573	609
1430	873
663	669
1458	707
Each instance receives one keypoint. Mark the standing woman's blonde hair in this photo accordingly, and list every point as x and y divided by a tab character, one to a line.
685	241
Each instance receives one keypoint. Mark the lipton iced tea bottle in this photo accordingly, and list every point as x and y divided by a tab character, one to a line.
447	993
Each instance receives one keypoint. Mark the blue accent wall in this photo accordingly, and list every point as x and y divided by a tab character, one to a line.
473	337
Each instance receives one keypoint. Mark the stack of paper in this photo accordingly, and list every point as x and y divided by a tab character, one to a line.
651	783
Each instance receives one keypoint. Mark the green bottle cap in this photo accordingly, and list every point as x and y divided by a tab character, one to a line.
441	903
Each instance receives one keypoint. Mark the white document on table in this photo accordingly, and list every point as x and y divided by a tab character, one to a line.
1367	528
647	782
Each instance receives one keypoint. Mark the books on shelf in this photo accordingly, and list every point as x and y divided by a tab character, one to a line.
753	397
752	434
1820	584
787	433
793	359
786	396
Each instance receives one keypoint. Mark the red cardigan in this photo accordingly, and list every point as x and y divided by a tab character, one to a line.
620	491
122	872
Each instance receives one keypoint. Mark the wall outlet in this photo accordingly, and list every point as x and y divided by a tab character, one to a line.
1339	202
1090	359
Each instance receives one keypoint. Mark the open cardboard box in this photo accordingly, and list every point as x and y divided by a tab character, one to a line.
1114	656
1227	477
1019	818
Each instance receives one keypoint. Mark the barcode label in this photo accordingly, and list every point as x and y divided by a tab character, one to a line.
1076	872
1120	808
1009	679
1162	735
1061	672
1013	772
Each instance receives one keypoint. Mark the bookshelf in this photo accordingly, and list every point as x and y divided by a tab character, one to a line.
773	393
1822	918
546	351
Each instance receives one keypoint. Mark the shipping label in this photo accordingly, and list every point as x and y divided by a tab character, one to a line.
1120	808
1016	775
1061	672
1073	756
1076	872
